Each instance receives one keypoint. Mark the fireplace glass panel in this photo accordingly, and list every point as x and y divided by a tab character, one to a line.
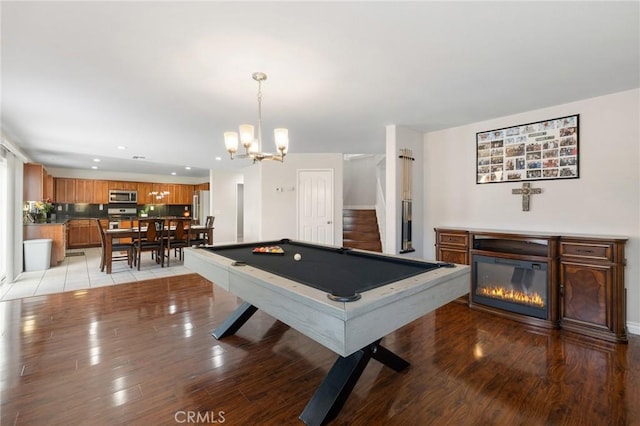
512	285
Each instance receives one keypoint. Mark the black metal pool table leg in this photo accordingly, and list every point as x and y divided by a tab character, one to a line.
235	320
333	392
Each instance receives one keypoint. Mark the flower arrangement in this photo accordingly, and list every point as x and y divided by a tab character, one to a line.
38	210
44	206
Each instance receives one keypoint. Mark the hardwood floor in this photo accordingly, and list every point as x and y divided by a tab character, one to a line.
142	354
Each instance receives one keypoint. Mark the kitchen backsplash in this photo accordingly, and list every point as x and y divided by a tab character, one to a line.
73	211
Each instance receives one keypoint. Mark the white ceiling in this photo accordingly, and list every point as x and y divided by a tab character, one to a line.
166	79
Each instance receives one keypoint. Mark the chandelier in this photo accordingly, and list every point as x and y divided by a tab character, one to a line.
159	195
252	145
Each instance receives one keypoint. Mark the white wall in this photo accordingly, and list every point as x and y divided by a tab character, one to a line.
360	182
273	214
252	202
223	186
397	138
605	200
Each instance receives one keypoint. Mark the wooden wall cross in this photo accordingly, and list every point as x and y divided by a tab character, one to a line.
526	191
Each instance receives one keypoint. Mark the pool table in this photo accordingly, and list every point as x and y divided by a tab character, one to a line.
344	299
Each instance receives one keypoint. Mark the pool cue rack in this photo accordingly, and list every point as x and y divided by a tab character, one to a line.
406	158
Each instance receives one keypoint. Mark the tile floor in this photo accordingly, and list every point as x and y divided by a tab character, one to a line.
80	269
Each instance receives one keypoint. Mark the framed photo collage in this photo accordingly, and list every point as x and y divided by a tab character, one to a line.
535	151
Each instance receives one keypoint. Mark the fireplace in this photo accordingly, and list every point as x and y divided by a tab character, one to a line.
515	276
512	285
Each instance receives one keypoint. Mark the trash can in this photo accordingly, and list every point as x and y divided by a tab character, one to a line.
37	254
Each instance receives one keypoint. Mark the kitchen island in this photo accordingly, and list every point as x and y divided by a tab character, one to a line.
55	230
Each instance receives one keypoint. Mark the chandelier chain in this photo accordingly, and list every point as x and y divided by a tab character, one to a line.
260	115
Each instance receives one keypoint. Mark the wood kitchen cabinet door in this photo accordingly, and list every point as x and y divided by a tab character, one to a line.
186	194
48	187
84	190
37	183
173	194
123	185
94	232
78	233
144	188
181	194
65	191
100	192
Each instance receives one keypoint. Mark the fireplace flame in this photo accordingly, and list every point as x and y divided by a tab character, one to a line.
510	295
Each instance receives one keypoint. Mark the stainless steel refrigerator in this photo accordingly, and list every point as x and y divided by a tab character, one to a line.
200	207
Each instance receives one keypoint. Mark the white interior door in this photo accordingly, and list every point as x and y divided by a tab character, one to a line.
315	206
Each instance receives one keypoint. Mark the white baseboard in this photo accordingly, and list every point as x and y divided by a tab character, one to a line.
633	327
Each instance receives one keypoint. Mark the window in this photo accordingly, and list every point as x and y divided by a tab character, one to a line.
4	213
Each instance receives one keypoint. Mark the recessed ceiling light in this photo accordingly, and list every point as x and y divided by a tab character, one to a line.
188	168
173	173
96	160
218	158
94	167
122	147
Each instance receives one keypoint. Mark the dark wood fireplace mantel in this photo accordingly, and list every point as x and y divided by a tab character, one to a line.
585	275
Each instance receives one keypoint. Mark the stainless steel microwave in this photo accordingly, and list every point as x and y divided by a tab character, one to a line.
123	197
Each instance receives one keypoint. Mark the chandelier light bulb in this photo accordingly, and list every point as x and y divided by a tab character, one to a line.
254	148
281	136
246	135
231	141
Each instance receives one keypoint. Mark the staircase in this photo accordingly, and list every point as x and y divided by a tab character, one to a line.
360	230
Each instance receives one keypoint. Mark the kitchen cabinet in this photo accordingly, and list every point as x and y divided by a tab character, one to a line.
48	186
83	191
93	191
144	188
100	192
53	231
65	191
174	194
68	190
84	233
37	183
90	191
592	293
179	194
201	187
186	194
128	186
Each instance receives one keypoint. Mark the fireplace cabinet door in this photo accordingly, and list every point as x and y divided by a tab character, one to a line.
585	291
593	299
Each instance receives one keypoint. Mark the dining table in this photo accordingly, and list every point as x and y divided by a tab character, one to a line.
111	234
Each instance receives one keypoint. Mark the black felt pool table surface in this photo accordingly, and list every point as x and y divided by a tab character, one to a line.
334	270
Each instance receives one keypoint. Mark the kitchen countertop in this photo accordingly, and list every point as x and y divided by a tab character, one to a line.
62	221
48	222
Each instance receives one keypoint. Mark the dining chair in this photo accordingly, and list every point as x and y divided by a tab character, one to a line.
150	238
202	237
115	248
178	237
